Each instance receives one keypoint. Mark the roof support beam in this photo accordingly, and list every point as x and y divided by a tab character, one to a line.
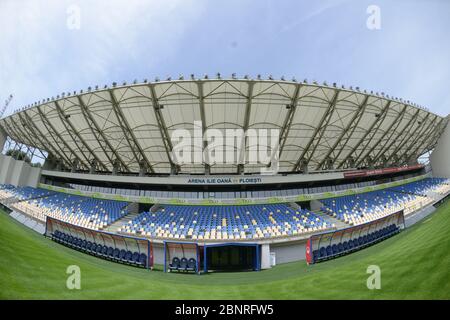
162	127
22	132
434	135
248	110
395	122
129	135
411	136
52	131
415	147
425	133
16	131
38	133
70	128
99	135
288	121
318	132
405	136
358	114
381	117
201	100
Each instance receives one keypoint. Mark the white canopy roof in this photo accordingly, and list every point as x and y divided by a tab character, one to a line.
320	126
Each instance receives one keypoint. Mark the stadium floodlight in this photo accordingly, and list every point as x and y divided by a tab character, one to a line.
270	77
124	83
89	89
206	76
294	80
334	84
218	75
156	79
135	81
305	80
106	86
325	83
282	78
258	77
246	77
192	76
343	87
233	75
96	87
180	77
145	80
114	84
357	89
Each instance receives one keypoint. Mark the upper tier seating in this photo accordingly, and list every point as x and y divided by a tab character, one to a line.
422	187
226	222
365	207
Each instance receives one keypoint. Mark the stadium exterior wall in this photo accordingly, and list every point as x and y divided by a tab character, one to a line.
3	137
18	173
440	162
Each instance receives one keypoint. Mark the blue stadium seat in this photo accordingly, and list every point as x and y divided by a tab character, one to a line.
122	255
183	264
135	257
143	259
175	264
192	265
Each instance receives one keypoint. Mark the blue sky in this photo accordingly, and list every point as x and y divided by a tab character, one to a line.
408	57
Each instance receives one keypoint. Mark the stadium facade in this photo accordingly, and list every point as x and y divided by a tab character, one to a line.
344	158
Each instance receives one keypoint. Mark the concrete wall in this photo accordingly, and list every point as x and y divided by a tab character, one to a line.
289	251
2	138
440	157
18	173
7	166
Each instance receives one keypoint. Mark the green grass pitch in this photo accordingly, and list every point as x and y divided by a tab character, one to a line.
414	265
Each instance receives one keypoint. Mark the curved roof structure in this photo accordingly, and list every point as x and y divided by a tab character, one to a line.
320	126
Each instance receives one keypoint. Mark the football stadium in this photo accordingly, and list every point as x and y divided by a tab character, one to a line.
224	188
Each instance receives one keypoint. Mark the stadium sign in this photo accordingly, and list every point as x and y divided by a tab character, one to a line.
209	181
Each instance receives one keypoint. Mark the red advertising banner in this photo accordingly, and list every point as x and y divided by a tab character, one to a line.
308	252
375	172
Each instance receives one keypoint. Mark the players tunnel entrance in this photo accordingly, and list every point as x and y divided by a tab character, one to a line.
232	257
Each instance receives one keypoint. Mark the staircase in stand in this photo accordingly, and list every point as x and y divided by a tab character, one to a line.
338	223
115	226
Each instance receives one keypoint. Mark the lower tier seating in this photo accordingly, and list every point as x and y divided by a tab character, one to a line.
365	207
226	222
82	211
422	187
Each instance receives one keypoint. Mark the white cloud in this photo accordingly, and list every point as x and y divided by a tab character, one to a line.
41	57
